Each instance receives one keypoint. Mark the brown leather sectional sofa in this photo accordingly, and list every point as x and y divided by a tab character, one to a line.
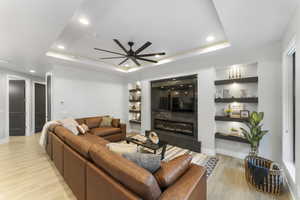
95	173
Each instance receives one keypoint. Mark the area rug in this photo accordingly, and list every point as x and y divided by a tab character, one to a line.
210	162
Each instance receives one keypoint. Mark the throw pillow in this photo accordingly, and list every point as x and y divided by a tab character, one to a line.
172	170
83	128
70	124
122	148
106	122
150	162
115	123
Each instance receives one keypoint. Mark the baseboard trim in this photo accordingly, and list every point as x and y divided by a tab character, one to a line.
4	140
231	153
207	151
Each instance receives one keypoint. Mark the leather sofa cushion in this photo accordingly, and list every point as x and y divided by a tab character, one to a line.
172	170
82	144
126	172
191	185
79	144
95	139
93	122
105	131
63	132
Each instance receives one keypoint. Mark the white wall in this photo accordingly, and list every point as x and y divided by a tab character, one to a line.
269	70
293	31
82	93
4	97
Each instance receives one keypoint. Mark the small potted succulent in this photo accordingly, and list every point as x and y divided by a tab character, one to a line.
255	132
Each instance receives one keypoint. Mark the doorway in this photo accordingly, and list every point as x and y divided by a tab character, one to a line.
17	108
49	93
39	106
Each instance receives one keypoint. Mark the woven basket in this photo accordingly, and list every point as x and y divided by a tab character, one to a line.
272	183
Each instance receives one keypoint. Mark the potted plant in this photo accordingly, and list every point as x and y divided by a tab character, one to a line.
227	112
255	132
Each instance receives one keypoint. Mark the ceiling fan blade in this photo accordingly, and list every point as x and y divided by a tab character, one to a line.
123	61
144	59
135	61
121	46
113	57
151	54
147	44
109	51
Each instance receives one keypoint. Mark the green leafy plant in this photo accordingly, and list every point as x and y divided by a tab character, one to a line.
255	132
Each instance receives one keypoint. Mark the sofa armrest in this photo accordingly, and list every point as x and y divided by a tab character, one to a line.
191	186
123	129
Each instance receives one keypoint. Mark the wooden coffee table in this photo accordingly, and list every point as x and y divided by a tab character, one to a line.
149	145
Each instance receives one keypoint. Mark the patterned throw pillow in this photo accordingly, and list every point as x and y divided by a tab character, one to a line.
83	128
115	123
106	122
150	162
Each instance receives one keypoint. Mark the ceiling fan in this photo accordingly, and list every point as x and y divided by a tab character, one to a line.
131	54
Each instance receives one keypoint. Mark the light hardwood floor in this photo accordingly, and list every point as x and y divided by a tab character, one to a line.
26	173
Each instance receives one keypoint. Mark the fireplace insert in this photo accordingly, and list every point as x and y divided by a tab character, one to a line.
174	110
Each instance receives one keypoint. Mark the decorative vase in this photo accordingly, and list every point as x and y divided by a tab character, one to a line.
254	150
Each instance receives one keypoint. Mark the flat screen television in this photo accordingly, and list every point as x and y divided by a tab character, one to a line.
183	104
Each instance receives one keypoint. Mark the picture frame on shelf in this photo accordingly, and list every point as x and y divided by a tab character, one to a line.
244	114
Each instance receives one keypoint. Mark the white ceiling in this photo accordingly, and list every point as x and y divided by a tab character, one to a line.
250	23
29	28
173	26
34	27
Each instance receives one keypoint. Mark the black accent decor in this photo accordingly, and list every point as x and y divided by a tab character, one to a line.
231	138
240	100
134	121
174	111
229	119
134	111
135	90
239	80
131	54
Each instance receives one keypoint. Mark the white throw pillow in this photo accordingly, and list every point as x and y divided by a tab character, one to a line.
70	124
122	148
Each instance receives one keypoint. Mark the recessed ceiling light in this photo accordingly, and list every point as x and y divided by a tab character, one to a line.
157	56
60	47
84	21
32	71
210	38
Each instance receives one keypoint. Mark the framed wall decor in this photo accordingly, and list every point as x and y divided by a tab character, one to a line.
244	114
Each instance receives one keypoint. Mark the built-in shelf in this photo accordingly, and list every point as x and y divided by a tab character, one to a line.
135	90
239	80
135	121
231	138
134	101
135	111
229	119
239	100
